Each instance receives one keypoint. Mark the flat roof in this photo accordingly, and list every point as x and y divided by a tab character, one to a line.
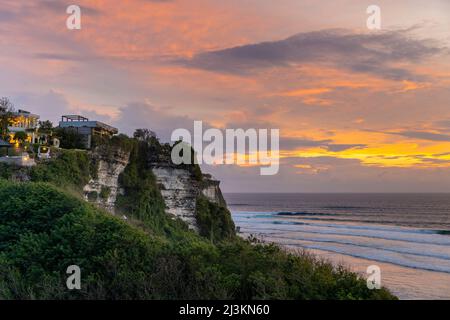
23	113
88	124
73	117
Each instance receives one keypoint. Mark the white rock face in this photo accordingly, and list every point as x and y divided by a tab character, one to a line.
212	192
179	192
107	180
178	186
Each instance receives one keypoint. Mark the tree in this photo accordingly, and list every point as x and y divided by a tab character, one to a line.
45	126
144	135
70	139
20	136
6	110
6	105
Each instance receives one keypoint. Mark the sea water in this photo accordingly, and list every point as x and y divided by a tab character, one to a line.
406	235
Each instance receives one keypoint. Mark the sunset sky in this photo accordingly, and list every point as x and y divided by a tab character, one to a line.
358	110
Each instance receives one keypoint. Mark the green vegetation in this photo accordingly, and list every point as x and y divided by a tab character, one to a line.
92	196
105	192
5	171
6	110
45	127
214	221
20	136
142	198
108	146
43	230
70	139
70	168
193	167
45	227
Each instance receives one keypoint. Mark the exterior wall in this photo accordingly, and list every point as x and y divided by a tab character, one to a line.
95	127
23	122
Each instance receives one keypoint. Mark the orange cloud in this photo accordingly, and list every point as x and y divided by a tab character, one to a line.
305	92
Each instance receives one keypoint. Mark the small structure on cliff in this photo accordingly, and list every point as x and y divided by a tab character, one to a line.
86	128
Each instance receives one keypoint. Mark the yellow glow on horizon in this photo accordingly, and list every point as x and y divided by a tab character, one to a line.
404	155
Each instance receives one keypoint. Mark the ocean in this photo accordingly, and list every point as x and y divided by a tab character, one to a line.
406	235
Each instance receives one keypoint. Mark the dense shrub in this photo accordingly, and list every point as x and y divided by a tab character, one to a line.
69	168
70	138
5	170
43	231
213	220
142	198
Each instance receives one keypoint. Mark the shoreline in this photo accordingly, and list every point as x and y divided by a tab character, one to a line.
405	282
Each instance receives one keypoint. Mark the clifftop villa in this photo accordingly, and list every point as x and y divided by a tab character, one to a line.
23	121
86	128
37	142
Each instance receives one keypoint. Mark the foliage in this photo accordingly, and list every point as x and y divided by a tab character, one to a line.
43	230
192	166
142	198
20	136
93	167
112	144
214	221
71	168
6	110
70	139
105	192
45	126
144	135
5	170
6	105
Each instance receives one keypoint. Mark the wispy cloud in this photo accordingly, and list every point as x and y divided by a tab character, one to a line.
423	135
375	54
292	143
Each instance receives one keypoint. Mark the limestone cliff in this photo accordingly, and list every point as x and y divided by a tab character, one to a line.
180	186
103	187
180	190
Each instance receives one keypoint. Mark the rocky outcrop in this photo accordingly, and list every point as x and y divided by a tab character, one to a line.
180	190
103	187
180	186
211	190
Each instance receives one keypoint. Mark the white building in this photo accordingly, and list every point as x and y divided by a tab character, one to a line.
24	121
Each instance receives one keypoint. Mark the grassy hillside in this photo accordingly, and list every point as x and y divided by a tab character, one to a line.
45	226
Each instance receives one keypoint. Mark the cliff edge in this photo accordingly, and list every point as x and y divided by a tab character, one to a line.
181	186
